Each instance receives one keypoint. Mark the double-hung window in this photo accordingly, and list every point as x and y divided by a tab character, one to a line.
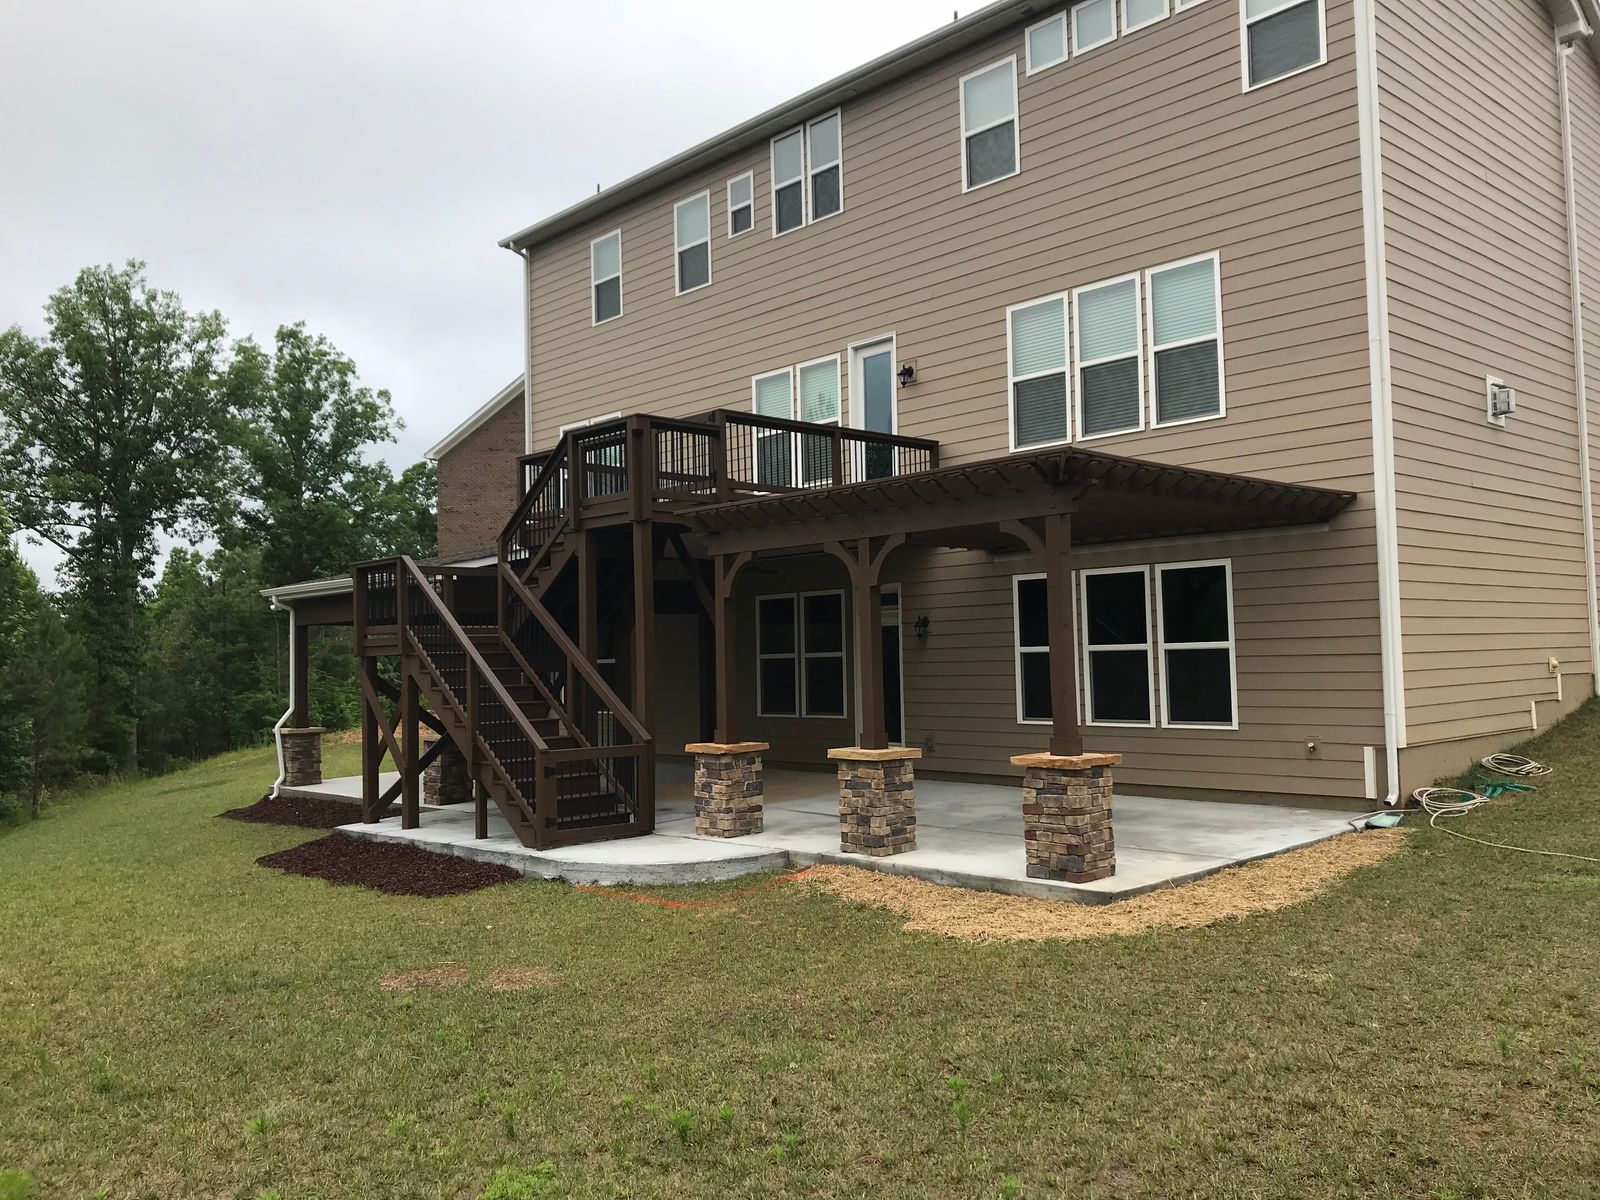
605	276
741	204
1119	684
1186	340
773	396
1106	340
691	221
1136	14
788	182
1094	24
825	167
1194	607
822	654
1039	389
1030	621
817	385
777	657
991	147
808	174
1282	38
1047	43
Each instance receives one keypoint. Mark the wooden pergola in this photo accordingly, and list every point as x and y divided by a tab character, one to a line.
1045	502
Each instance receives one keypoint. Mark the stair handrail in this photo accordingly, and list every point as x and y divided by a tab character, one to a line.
555	462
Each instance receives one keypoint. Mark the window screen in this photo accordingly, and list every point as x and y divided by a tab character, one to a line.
1110	385
989	124
1039	373
1281	37
605	276
692	224
1186	341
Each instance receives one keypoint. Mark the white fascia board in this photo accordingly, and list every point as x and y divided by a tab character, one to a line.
476	421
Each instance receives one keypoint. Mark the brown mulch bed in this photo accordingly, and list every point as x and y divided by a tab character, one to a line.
307	814
386	867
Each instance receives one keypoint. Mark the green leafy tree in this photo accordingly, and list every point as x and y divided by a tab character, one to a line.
50	684
406	513
19	590
112	428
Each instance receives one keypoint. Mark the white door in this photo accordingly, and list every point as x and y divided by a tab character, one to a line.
874	404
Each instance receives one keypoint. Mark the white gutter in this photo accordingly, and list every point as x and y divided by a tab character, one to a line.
1378	349
1586	481
339	586
278	727
527	353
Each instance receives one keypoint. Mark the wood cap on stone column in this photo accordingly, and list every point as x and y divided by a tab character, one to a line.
857	754
726	747
1066	762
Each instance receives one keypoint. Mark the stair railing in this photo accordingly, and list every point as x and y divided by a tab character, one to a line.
544	513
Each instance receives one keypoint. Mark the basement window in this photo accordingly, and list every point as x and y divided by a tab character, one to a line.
1282	38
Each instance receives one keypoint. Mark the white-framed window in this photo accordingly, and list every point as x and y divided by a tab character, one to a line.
825	167
1047	42
741	204
1281	38
772	395
691	225
1118	674
822	682
1107	340
1180	5
1136	14
788	182
777	657
1036	348
817	400
991	143
1030	626
1194	621
1186	356
605	277
1094	24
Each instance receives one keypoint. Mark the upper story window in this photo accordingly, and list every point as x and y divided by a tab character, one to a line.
807	174
1106	345
1094	23
991	146
1186	340
1047	43
1282	38
741	204
1037	334
691	221
1136	14
605	275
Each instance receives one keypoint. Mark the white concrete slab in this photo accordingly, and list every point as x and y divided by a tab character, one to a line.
969	835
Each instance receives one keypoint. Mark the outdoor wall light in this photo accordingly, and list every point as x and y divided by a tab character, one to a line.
907	374
920	628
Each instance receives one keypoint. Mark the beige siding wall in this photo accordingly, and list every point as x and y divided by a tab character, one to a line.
1141	153
1491	520
1583	83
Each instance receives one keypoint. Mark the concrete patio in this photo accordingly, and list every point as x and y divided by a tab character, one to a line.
969	835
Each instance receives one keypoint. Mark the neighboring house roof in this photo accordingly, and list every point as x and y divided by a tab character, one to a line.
512	391
911	57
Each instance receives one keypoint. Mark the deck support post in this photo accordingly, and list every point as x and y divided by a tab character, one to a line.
644	623
410	777
371	748
864	560
1066	734
727	568
588	596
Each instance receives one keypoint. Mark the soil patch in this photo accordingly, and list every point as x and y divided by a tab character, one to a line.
288	810
973	916
521	979
386	867
446	975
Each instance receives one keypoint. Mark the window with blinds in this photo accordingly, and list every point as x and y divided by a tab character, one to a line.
990	145
1094	23
818	397
605	276
1039	390
825	164
1282	38
773	395
691	220
1107	351
741	204
788	182
808	173
1186	341
1136	14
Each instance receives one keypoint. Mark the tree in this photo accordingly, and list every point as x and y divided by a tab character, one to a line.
18	591
113	427
406	515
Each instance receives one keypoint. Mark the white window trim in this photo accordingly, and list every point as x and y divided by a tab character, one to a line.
857	408
1078	363
755	379
1166	11
762	435
1086	711
1066	368
836	360
807	654
678	248
1015	118
1018	649
1034	68
1180	5
751	177
792	655
1078	49
1231	645
1150	322
1246	21
803	179
594	283
811	167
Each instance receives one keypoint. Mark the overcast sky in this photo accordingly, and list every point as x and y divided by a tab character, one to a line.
352	163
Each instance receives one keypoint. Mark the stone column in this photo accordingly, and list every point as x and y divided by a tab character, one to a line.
1066	815
728	788
302	755
877	800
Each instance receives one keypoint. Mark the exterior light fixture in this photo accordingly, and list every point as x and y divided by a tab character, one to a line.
920	628
907	374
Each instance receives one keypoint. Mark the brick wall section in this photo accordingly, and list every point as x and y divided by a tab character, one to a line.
478	482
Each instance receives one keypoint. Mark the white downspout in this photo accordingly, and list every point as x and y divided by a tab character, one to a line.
277	728
1563	53
1383	472
527	351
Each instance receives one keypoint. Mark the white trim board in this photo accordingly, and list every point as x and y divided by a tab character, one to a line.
476	421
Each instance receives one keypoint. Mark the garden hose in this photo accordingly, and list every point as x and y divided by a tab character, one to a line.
1458	802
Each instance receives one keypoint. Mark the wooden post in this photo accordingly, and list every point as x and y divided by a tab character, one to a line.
706	641
588	596
868	596
727	713
1066	736
299	671
410	777
480	798
371	749
644	623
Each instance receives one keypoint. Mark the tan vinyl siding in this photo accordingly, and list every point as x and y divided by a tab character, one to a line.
1143	153
1583	82
1491	520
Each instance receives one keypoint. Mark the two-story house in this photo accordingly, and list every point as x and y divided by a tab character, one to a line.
1203	382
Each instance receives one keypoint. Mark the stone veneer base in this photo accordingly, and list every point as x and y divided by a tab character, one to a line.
728	788
877	800
302	755
1066	816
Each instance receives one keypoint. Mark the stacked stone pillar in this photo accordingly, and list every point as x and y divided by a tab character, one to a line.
877	800
302	755
728	788
1066	816
446	780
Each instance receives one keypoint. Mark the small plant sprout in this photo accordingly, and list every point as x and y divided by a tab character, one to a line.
682	1121
627	1101
963	1111
1010	1188
1502	1042
257	1125
958	1086
508	1120
725	1113
400	1125
480	1096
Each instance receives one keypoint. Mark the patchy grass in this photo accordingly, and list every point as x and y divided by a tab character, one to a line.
177	1021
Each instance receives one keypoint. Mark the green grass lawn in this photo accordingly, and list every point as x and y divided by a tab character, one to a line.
177	1021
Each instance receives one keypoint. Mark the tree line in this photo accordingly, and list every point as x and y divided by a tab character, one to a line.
132	422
